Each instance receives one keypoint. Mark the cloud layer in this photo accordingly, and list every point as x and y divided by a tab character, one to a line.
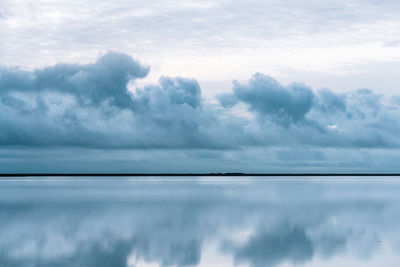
341	36
99	105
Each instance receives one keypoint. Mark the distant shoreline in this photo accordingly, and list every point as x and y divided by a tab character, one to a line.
189	174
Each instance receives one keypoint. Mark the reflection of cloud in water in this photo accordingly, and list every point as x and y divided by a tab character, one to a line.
172	223
284	243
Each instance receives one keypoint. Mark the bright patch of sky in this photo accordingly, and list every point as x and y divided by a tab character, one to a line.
343	45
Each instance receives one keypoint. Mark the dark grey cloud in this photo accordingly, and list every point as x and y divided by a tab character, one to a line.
105	80
266	96
99	105
90	105
327	101
299	115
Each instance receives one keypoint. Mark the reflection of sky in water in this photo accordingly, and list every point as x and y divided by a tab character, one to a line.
199	222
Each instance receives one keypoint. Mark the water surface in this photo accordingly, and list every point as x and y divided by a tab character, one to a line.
199	221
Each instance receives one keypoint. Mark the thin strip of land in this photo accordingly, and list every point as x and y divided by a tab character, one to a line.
189	174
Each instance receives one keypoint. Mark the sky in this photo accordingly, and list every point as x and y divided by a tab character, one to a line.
197	86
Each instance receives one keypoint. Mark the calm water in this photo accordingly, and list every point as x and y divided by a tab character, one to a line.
199	222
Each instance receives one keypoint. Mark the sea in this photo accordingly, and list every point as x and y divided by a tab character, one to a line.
199	221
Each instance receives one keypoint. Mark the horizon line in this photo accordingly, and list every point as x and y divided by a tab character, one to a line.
191	174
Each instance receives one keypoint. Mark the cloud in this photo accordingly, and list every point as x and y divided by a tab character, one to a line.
290	35
105	80
265	96
297	115
269	249
90	105
99	105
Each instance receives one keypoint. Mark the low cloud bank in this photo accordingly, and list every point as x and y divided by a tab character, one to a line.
92	106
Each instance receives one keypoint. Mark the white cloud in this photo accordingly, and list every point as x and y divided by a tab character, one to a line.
212	41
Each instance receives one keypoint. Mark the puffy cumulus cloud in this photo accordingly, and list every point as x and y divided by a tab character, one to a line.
99	105
266	96
91	105
182	91
92	84
327	101
296	114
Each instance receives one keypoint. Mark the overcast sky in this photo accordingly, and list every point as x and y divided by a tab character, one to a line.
220	85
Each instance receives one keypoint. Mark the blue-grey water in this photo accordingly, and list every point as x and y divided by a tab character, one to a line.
200	221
